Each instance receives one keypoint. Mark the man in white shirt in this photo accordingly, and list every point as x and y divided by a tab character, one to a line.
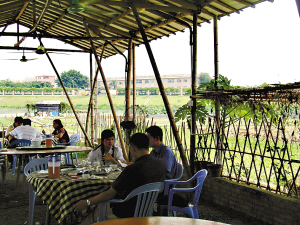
25	132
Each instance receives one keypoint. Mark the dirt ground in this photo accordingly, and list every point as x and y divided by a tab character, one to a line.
14	207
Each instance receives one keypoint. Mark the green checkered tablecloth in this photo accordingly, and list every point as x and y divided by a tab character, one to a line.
63	193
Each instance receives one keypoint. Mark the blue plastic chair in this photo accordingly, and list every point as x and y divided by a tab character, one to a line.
162	207
34	165
18	143
191	208
74	138
3	167
146	198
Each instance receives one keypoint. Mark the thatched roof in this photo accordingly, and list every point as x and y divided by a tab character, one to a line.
111	20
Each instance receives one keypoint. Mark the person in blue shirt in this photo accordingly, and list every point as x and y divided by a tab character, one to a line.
160	151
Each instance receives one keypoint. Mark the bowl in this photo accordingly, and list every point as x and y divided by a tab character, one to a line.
114	166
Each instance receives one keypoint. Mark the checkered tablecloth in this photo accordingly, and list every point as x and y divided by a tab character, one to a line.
63	193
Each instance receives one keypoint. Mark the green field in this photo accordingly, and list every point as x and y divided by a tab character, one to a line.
81	102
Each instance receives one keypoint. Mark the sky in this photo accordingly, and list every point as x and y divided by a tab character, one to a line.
259	45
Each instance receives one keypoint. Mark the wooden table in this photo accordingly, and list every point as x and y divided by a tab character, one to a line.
20	153
159	221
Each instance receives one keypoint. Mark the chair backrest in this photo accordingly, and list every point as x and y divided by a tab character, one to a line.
199	177
177	176
36	165
179	172
74	138
20	143
146	198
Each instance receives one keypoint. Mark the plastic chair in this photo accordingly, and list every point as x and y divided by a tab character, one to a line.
146	198
162	204
191	208
34	165
18	143
74	138
3	167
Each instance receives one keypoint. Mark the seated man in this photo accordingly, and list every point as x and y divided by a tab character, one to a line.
160	151
145	169
25	132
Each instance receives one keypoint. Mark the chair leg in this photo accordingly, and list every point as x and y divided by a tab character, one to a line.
15	159
101	212
3	170
32	196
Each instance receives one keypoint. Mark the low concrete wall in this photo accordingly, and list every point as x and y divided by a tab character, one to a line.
255	202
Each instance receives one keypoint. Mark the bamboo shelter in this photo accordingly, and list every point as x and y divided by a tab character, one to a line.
107	27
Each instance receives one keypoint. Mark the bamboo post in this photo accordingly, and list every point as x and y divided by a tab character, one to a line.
107	92
162	91
67	95
127	93
217	101
133	84
91	104
92	89
127	88
193	89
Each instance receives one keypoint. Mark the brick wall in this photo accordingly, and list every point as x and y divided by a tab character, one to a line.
263	205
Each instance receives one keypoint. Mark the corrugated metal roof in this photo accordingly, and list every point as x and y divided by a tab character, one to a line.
111	20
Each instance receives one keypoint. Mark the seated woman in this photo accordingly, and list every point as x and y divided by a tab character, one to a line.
106	153
60	134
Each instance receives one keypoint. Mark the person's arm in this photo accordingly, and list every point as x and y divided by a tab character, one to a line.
6	136
102	197
60	133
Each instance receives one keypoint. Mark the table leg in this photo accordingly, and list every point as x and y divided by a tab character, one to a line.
19	170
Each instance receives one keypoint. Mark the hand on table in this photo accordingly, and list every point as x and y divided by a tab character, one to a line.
127	163
107	157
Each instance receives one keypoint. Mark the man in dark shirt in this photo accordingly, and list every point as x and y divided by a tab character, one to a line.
146	169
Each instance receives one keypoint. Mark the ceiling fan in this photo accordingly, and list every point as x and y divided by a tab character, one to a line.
86	6
23	59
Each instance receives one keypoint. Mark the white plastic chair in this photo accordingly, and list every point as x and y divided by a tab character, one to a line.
34	165
146	198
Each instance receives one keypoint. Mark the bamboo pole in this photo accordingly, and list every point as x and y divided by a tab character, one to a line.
133	84
193	89
67	95
127	93
162	91
127	88
217	101
91	102
108	93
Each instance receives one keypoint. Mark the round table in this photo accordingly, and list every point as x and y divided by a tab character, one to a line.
158	220
33	151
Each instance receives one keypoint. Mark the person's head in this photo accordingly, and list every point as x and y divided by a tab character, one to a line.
155	135
138	144
107	138
18	121
27	122
57	124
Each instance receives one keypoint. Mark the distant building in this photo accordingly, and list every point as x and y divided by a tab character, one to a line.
179	81
43	79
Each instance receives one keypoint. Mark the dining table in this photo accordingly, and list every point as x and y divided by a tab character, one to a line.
29	150
61	194
153	220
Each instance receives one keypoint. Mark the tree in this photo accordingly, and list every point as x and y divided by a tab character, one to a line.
204	78
73	79
113	84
